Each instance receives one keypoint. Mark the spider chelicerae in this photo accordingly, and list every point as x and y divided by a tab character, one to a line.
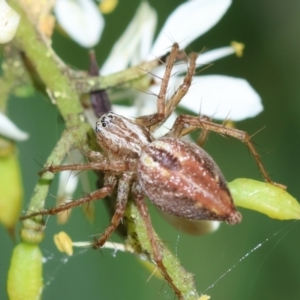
177	176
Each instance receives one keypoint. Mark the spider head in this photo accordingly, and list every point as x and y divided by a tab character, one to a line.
121	137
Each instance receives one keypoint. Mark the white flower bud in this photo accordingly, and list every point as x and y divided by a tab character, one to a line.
9	21
10	130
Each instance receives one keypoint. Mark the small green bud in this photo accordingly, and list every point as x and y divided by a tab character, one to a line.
11	189
25	273
265	198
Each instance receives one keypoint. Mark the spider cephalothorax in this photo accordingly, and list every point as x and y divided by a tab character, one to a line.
120	137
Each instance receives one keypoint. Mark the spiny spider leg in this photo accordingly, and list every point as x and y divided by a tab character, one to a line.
173	102
117	166
184	122
150	120
165	108
204	134
99	194
157	256
122	197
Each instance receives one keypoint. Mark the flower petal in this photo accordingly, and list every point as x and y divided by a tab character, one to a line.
215	54
81	19
68	180
221	97
203	59
193	227
9	21
201	15
135	42
129	112
67	185
10	130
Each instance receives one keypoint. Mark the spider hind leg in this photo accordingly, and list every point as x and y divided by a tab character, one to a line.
155	244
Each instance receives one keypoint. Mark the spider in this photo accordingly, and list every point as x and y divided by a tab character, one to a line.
179	177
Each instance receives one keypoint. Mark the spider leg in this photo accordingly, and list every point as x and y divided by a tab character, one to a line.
203	134
122	197
99	194
173	102
157	257
117	166
185	124
150	120
165	108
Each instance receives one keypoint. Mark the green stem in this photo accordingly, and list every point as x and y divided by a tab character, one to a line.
53	74
32	231
139	240
50	68
93	83
13	74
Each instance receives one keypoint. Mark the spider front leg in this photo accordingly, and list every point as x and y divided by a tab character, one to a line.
122	198
157	256
184	124
165	108
109	184
117	167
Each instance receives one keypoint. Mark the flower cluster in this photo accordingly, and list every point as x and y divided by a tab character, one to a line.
218	96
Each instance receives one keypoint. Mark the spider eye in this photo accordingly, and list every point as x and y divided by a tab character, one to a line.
103	124
110	116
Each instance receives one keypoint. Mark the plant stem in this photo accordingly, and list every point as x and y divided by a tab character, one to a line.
139	240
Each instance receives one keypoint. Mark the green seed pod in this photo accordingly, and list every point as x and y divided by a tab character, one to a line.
11	190
265	198
25	273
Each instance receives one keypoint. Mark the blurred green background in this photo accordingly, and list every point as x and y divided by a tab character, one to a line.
270	31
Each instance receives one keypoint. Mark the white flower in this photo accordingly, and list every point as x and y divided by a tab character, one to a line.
81	19
10	130
9	21
218	96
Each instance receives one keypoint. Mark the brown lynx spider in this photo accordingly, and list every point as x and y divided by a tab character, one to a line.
177	176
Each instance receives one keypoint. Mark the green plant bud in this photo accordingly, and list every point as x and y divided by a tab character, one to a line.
11	190
265	198
25	273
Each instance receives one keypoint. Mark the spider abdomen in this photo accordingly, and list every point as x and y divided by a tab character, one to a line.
182	179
